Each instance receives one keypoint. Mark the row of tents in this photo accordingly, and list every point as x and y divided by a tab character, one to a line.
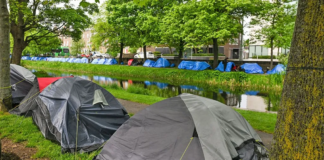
252	68
82	117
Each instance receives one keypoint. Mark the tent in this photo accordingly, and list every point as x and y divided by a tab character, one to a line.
71	60
252	68
279	69
187	127
252	93
74	111
28	103
148	63
162	63
132	62
84	60
229	66
102	61
111	61
193	65
95	61
220	67
77	60
21	80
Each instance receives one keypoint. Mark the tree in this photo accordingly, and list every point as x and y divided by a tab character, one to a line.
44	18
5	89
299	129
276	21
44	45
77	47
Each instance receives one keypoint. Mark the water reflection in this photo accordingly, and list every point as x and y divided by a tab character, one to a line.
250	100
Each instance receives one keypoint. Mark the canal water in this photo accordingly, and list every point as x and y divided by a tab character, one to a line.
250	100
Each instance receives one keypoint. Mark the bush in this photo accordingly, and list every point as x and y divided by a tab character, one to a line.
263	57
133	50
283	58
138	90
205	54
157	53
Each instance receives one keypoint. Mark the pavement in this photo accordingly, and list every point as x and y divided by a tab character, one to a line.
133	107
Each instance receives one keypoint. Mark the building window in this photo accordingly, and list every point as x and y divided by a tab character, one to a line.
258	50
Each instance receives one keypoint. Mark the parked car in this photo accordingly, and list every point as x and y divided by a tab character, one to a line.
141	55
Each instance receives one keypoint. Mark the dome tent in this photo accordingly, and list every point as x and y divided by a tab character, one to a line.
74	111
161	63
149	63
252	68
185	127
279	69
220	67
21	80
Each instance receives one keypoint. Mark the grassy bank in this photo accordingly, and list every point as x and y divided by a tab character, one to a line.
209	78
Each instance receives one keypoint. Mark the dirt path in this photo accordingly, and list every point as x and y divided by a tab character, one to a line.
133	107
15	151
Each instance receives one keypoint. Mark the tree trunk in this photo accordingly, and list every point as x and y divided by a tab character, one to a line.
299	130
121	52
271	44
144	51
215	50
278	52
170	48
5	90
207	48
180	50
241	42
196	50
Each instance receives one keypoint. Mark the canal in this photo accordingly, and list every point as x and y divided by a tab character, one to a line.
250	99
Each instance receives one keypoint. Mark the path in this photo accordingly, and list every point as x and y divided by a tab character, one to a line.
133	107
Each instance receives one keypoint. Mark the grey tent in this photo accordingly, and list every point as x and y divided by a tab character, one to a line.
21	80
78	113
186	127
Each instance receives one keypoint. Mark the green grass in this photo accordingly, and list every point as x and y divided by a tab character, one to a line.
206	78
20	129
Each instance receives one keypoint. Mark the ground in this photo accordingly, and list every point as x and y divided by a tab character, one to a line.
18	151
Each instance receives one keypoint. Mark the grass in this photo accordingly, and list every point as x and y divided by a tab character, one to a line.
21	129
206	78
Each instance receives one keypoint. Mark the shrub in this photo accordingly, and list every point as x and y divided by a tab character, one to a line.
263	57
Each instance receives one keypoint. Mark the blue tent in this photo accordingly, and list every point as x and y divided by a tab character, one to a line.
67	59
148	63
162	63
220	67
95	61
111	61
96	78
199	66
253	93
229	66
189	65
78	60
252	68
279	69
148	83
84	60
102	61
161	85
71	60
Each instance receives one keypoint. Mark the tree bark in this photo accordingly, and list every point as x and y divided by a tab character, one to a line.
5	90
144	51
180	50
271	44
121	52
207	48
299	130
241	42
170	48
215	50
278	52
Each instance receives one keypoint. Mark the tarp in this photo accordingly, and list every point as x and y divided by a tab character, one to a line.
279	69
130	62
252	68
71	106
220	67
102	61
162	63
84	60
149	63
77	60
45	81
111	61
21	80
187	127
193	65
71	60
229	66
95	61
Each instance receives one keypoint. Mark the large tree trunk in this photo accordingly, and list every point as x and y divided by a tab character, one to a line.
5	90
207	48
121	52
299	130
215	50
180	50
241	42
271	44
144	51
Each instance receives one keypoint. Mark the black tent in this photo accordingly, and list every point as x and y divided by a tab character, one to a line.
78	113
186	127
21	80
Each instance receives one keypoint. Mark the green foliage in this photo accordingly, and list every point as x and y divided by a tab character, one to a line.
263	57
77	47
157	53
283	58
133	50
42	45
138	90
